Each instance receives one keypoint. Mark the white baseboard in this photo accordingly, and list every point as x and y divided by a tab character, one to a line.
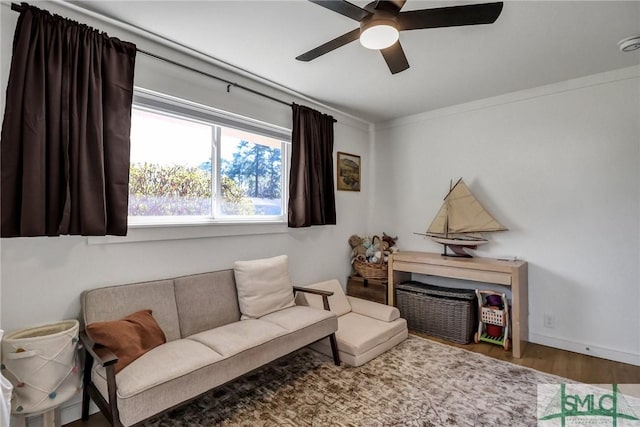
588	349
69	412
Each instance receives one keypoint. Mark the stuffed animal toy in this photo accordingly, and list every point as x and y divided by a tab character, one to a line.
366	242
355	240
358	247
391	241
373	250
367	250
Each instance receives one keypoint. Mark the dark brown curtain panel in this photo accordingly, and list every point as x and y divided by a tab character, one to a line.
65	135
311	192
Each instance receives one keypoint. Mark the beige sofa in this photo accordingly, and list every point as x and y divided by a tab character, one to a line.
206	345
366	329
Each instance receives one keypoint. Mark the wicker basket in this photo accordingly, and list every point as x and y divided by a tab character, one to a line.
41	363
371	270
442	312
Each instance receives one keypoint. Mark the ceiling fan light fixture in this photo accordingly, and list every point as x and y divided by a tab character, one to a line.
378	32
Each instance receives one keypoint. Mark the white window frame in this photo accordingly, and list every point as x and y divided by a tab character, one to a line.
164	104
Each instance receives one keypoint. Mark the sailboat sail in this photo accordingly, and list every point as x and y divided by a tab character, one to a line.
462	213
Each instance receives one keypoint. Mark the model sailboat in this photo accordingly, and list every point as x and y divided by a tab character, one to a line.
460	220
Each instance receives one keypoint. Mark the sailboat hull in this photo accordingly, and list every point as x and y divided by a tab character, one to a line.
471	243
458	246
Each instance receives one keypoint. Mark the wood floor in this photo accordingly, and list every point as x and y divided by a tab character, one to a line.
578	367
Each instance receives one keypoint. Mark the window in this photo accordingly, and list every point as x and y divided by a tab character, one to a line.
193	164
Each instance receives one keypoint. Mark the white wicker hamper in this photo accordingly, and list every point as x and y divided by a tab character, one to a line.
41	363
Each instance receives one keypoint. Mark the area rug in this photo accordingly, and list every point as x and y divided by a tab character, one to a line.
418	383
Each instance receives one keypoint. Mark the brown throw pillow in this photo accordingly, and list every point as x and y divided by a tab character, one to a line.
128	338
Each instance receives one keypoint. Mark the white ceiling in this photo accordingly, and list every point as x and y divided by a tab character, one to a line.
532	43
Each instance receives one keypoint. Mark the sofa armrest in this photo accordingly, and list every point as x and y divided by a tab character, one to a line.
383	312
325	294
106	358
312	291
101	355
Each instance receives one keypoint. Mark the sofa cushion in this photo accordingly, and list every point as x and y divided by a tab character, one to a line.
324	347
297	317
206	301
263	286
128	338
373	309
338	302
239	336
358	334
158	398
162	364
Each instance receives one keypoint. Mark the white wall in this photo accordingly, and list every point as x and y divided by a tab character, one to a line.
42	278
560	167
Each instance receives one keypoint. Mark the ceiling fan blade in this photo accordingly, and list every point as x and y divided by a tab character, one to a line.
343	8
451	16
395	57
330	45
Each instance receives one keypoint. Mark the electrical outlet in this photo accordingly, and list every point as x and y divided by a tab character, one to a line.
549	321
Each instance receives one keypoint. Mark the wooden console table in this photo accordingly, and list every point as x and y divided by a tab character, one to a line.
512	274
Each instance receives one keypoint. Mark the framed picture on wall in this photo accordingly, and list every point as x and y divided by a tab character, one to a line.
348	172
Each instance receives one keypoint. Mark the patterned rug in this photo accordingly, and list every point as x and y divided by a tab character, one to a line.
418	383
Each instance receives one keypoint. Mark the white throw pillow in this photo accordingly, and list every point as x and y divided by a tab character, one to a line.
263	286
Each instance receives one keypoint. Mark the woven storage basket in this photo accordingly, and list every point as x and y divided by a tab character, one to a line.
42	364
442	312
371	270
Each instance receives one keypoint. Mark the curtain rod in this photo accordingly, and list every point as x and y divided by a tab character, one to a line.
229	83
20	8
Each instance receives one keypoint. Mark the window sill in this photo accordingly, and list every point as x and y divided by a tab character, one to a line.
160	232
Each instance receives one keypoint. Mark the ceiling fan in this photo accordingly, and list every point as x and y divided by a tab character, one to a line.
381	21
